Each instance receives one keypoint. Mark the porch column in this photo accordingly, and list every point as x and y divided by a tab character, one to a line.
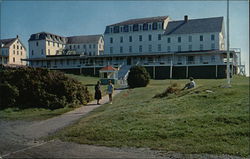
216	71
187	72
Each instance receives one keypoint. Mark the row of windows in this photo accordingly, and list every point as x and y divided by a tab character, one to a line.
134	27
32	52
159	48
111	40
190	38
21	53
84	46
17	47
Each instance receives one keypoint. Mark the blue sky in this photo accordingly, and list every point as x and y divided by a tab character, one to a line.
69	18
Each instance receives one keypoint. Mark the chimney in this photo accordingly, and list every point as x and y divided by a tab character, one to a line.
186	18
17	36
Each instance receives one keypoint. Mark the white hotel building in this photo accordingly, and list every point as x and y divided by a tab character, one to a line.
166	48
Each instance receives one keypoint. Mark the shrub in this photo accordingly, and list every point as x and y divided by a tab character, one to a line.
37	87
138	77
170	90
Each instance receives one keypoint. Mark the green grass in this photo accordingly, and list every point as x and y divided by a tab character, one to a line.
40	113
193	121
31	113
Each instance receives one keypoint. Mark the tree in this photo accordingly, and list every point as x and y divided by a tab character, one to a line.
138	77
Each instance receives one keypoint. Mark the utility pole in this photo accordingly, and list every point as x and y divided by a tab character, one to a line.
228	46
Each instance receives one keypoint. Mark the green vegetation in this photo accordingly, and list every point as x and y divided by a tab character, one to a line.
40	88
138	77
206	119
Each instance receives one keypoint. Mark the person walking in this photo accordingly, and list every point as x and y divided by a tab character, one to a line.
98	93
110	91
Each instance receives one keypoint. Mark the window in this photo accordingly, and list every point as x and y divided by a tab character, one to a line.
48	43
13	52
159	36
130	28
121	49
135	27
201	59
111	40
179	39
179	48
169	48
17	52
84	46
212	37
169	59
121	39
37	43
32	52
125	28
130	39
61	62
160	26
179	59
154	26
94	46
149	37
13	46
13	59
78	46
58	44
201	37
111	30
70	47
48	51
121	29
201	47
90	53
21	47
74	46
53	43
67	62
212	46
116	29
212	58
159	47
111	50
42	51
189	38
140	37
17	46
145	26
90	46
189	47
169	40
140	48
140	27
149	48
130	49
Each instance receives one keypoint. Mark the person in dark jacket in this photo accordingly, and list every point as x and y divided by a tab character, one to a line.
98	93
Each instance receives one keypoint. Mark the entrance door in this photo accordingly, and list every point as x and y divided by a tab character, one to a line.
128	61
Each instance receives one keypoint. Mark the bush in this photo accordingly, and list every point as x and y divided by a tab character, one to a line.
138	77
36	87
170	90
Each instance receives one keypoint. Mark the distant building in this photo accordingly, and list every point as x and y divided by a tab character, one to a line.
45	44
12	51
166	48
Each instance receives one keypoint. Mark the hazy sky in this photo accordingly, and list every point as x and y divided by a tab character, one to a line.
69	18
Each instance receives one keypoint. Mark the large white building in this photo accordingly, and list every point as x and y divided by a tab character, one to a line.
165	47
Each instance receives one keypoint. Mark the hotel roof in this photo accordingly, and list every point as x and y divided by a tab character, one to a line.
141	20
83	39
190	26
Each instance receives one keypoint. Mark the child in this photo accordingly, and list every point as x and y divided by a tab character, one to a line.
110	91
191	84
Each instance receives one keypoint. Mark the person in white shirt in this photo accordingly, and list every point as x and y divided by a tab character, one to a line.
191	84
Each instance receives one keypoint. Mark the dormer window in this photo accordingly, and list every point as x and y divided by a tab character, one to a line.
145	26
154	26
135	27
125	28
116	29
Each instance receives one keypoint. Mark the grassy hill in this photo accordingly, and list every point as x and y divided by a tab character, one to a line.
193	121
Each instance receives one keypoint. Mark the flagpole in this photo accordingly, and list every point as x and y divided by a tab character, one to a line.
228	46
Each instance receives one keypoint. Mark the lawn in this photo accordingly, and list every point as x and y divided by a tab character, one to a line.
194	121
41	113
